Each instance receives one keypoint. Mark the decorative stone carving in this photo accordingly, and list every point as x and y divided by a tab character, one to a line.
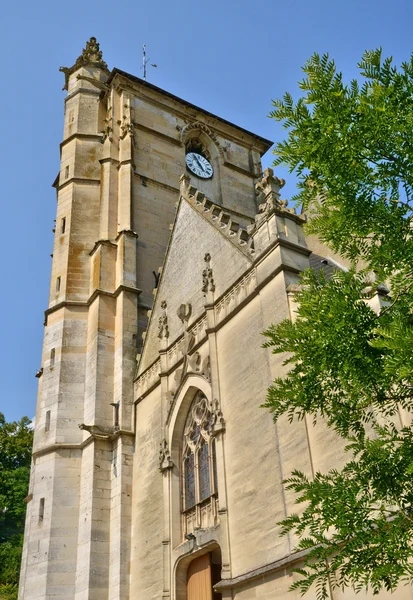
208	284
184	313
108	128
206	368
268	193
163	329
194	361
91	56
185	134
98	432
268	190
165	461
218	421
126	125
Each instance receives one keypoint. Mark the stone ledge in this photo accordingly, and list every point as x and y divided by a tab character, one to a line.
289	560
67	446
92	297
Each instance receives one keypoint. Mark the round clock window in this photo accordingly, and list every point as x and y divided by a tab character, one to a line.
199	165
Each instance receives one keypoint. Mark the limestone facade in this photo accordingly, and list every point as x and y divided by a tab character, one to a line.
145	369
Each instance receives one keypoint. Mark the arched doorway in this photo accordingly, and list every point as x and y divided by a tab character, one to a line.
203	573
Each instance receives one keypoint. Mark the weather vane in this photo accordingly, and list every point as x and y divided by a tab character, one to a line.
145	61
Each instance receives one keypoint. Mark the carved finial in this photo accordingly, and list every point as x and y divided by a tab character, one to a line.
268	192
208	284
91	56
184	183
163	330
269	185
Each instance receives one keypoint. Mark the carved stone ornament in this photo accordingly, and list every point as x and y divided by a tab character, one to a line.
208	284
268	193
165	461
107	131
163	329
192	362
98	432
126	125
206	369
218	421
91	56
187	132
184	313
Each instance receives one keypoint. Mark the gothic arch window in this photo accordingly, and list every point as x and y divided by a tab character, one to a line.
199	469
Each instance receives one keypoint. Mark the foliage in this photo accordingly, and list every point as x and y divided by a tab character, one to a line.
352	149
16	439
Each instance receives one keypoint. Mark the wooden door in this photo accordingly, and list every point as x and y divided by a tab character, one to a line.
199	582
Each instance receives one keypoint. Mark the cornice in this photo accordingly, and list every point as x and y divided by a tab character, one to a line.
159	134
139	87
238	169
87	91
96	137
82	180
79	446
145	180
92	297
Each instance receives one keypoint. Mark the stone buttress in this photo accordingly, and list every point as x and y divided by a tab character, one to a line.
80	492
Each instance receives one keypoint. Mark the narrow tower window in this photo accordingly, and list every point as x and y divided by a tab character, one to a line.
52	357
58	281
66	172
63	225
41	509
47	422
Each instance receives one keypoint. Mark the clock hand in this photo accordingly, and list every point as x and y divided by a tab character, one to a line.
199	164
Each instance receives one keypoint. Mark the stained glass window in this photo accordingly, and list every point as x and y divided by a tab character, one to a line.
203	472
189	474
214	466
198	447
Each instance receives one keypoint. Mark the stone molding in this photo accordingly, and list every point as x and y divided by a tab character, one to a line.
92	297
67	446
155	183
287	561
198	126
81	180
220	217
91	137
86	91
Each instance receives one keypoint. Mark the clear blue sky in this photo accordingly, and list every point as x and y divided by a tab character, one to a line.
231	58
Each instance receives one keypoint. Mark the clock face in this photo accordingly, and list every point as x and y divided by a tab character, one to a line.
199	165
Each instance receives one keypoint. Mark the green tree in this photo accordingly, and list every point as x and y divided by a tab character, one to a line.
16	440
352	148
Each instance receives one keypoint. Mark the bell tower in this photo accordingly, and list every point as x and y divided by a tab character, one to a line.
123	151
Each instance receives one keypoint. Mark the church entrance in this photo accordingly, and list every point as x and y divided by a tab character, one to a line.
202	575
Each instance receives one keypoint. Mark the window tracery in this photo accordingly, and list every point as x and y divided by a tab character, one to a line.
199	470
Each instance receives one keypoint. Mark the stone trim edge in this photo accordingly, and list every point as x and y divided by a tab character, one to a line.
287	561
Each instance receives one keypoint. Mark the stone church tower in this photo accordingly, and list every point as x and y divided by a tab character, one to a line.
155	473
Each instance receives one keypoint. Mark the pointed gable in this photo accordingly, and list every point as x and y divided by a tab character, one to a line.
200	228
